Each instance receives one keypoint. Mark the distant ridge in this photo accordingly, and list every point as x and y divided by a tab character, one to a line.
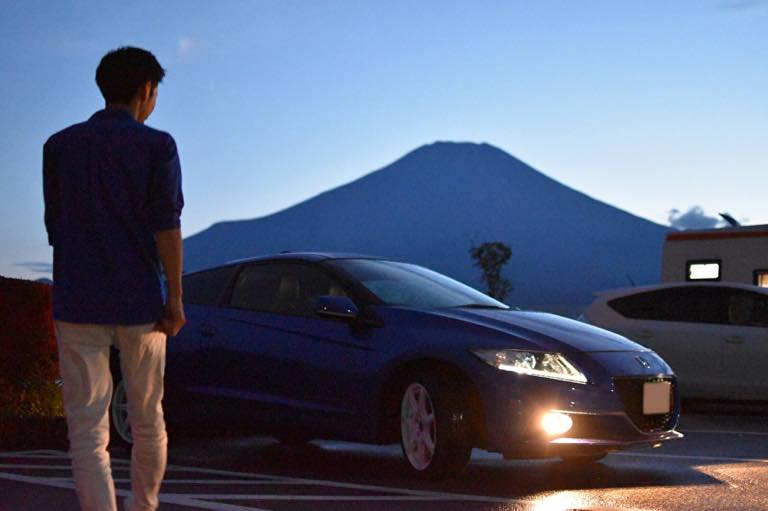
432	204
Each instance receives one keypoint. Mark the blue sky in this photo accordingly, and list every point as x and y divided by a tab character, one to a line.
647	105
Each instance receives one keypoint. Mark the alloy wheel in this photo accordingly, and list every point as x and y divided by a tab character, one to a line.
418	426
120	422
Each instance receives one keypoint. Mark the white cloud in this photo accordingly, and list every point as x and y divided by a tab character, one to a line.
694	218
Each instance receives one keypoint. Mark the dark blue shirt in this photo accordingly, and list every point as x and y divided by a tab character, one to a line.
109	184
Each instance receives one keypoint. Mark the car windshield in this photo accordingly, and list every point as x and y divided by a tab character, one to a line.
414	286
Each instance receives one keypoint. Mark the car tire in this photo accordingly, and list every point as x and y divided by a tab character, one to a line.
434	427
584	460
120	427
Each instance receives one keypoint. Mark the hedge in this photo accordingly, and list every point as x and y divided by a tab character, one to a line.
29	369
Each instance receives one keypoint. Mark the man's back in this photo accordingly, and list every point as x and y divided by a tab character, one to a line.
110	183
113	205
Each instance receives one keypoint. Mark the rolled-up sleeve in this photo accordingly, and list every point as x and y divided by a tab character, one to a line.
166	199
50	192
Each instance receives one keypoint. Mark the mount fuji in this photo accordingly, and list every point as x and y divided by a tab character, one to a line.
430	206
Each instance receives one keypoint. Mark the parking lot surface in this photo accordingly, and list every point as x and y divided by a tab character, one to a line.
721	464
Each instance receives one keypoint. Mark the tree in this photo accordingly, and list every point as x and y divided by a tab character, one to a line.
491	257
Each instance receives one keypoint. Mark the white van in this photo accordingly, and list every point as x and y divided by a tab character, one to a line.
733	254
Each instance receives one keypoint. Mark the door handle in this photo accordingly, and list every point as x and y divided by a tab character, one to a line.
734	339
208	331
644	334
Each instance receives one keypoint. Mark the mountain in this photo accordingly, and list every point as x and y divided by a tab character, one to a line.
431	205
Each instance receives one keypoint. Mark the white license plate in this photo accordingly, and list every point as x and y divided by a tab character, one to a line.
657	397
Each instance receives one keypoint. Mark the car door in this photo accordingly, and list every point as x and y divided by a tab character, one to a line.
745	343
271	351
187	368
677	323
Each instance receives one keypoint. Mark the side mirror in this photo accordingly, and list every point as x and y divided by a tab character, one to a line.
336	307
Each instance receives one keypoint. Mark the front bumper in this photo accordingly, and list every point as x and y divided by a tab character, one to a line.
590	434
607	414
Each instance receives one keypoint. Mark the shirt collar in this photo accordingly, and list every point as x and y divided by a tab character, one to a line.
112	113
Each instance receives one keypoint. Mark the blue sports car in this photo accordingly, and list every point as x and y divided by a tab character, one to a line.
305	346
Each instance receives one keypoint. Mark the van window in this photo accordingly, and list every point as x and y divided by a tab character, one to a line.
702	270
761	278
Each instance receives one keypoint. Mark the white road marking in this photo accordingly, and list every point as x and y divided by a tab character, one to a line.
204	504
353	486
182	499
30	456
55	483
421	498
62	467
729	432
689	457
215	482
41	466
44	453
200	501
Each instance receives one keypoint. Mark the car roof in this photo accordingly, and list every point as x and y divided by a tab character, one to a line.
289	256
624	291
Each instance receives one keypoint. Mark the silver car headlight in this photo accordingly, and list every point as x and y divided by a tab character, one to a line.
545	365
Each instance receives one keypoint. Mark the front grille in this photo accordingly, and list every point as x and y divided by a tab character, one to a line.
630	391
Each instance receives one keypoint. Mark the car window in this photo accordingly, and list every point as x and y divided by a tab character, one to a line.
747	309
207	287
282	288
691	304
411	285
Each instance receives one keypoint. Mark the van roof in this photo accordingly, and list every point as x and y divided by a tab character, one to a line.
747	231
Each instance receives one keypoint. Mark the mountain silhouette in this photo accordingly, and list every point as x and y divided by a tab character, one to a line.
430	206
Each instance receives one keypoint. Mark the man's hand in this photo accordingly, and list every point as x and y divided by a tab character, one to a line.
173	318
170	248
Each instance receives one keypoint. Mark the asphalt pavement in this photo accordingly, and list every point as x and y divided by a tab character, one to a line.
721	464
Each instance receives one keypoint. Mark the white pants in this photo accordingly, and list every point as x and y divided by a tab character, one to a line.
87	388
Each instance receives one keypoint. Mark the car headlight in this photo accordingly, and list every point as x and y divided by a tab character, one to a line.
545	365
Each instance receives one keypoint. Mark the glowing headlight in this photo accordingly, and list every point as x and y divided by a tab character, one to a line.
546	365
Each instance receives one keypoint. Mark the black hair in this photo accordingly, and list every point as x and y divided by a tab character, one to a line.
122	71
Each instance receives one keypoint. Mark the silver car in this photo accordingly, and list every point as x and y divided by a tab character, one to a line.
714	335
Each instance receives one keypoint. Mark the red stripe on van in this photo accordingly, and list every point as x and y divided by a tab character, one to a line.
691	236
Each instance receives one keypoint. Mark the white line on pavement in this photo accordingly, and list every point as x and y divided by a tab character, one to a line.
689	457
718	432
352	486
42	453
421	498
204	504
212	482
289	480
32	456
41	466
215	482
53	482
181	500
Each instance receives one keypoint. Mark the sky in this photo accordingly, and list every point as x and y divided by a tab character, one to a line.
658	108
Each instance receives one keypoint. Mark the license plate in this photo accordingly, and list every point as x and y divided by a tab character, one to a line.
657	397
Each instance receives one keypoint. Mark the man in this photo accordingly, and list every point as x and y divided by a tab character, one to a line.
113	203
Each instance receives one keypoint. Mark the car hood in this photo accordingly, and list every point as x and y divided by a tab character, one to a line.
543	330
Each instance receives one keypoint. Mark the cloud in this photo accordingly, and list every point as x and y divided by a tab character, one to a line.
36	266
694	218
